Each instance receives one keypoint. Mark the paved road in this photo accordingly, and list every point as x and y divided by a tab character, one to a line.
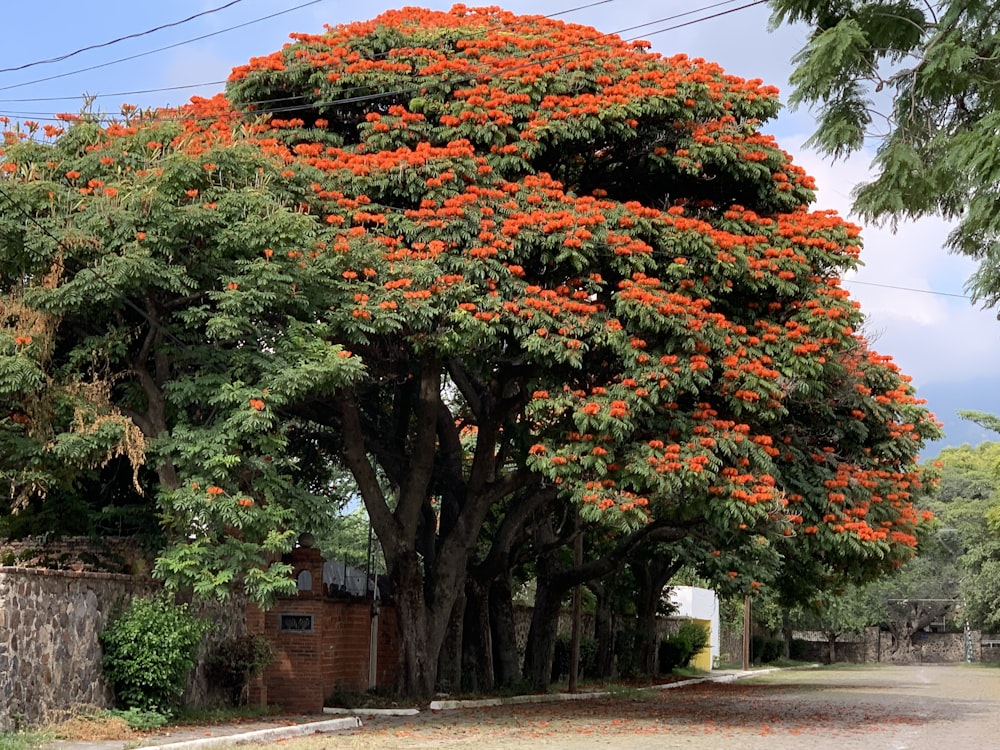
880	708
892	708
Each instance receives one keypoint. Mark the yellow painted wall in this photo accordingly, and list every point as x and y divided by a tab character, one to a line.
703	659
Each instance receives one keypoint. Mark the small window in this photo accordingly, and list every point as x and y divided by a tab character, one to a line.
296	623
305	581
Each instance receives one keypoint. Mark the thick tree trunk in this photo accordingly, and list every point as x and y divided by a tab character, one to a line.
652	575
542	635
786	635
506	664
420	653
451	660
477	649
646	604
604	627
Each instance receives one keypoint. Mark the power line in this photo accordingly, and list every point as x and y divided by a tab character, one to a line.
136	35
354	100
557	58
908	289
578	7
160	49
685	13
76	97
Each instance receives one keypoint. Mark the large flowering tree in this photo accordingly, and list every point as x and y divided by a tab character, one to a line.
487	263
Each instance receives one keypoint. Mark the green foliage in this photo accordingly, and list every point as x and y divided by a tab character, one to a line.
764	650
150	647
562	658
235	660
923	78
141	720
677	650
23	740
967	540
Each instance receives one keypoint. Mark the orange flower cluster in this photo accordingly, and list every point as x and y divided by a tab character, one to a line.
683	353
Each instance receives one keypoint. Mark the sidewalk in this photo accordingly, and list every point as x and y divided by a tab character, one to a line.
195	737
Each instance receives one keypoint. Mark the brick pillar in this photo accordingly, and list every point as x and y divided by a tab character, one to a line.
257	695
308	560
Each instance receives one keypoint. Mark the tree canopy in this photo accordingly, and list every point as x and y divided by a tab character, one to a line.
491	265
968	511
919	79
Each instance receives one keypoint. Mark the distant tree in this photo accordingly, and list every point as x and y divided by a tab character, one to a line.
845	612
920	80
968	509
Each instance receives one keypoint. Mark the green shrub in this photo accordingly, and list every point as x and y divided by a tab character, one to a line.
140	720
235	660
798	650
676	651
22	740
561	658
765	650
626	640
150	647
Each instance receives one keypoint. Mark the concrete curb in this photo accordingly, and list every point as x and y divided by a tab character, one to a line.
449	705
263	735
372	711
351	718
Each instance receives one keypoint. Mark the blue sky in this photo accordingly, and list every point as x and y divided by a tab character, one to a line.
910	288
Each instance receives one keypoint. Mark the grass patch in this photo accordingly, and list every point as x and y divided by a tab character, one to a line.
101	725
26	740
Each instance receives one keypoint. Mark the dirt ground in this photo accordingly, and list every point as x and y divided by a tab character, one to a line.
899	708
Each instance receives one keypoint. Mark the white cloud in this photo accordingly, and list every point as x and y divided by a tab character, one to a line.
906	283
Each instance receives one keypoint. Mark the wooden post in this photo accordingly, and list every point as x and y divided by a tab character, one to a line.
574	645
746	633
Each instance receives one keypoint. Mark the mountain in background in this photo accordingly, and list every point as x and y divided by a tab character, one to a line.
946	400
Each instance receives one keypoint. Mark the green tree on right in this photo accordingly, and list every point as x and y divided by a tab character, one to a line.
920	80
968	510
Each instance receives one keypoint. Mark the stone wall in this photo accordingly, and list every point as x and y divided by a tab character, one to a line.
50	657
928	648
105	555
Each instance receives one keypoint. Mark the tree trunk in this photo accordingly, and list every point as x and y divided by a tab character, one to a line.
831	645
786	635
542	635
477	649
604	627
419	653
652	575
506	664
451	660
647	598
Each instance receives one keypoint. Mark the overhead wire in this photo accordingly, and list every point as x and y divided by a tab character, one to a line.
136	35
907	289
136	56
567	11
75	97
